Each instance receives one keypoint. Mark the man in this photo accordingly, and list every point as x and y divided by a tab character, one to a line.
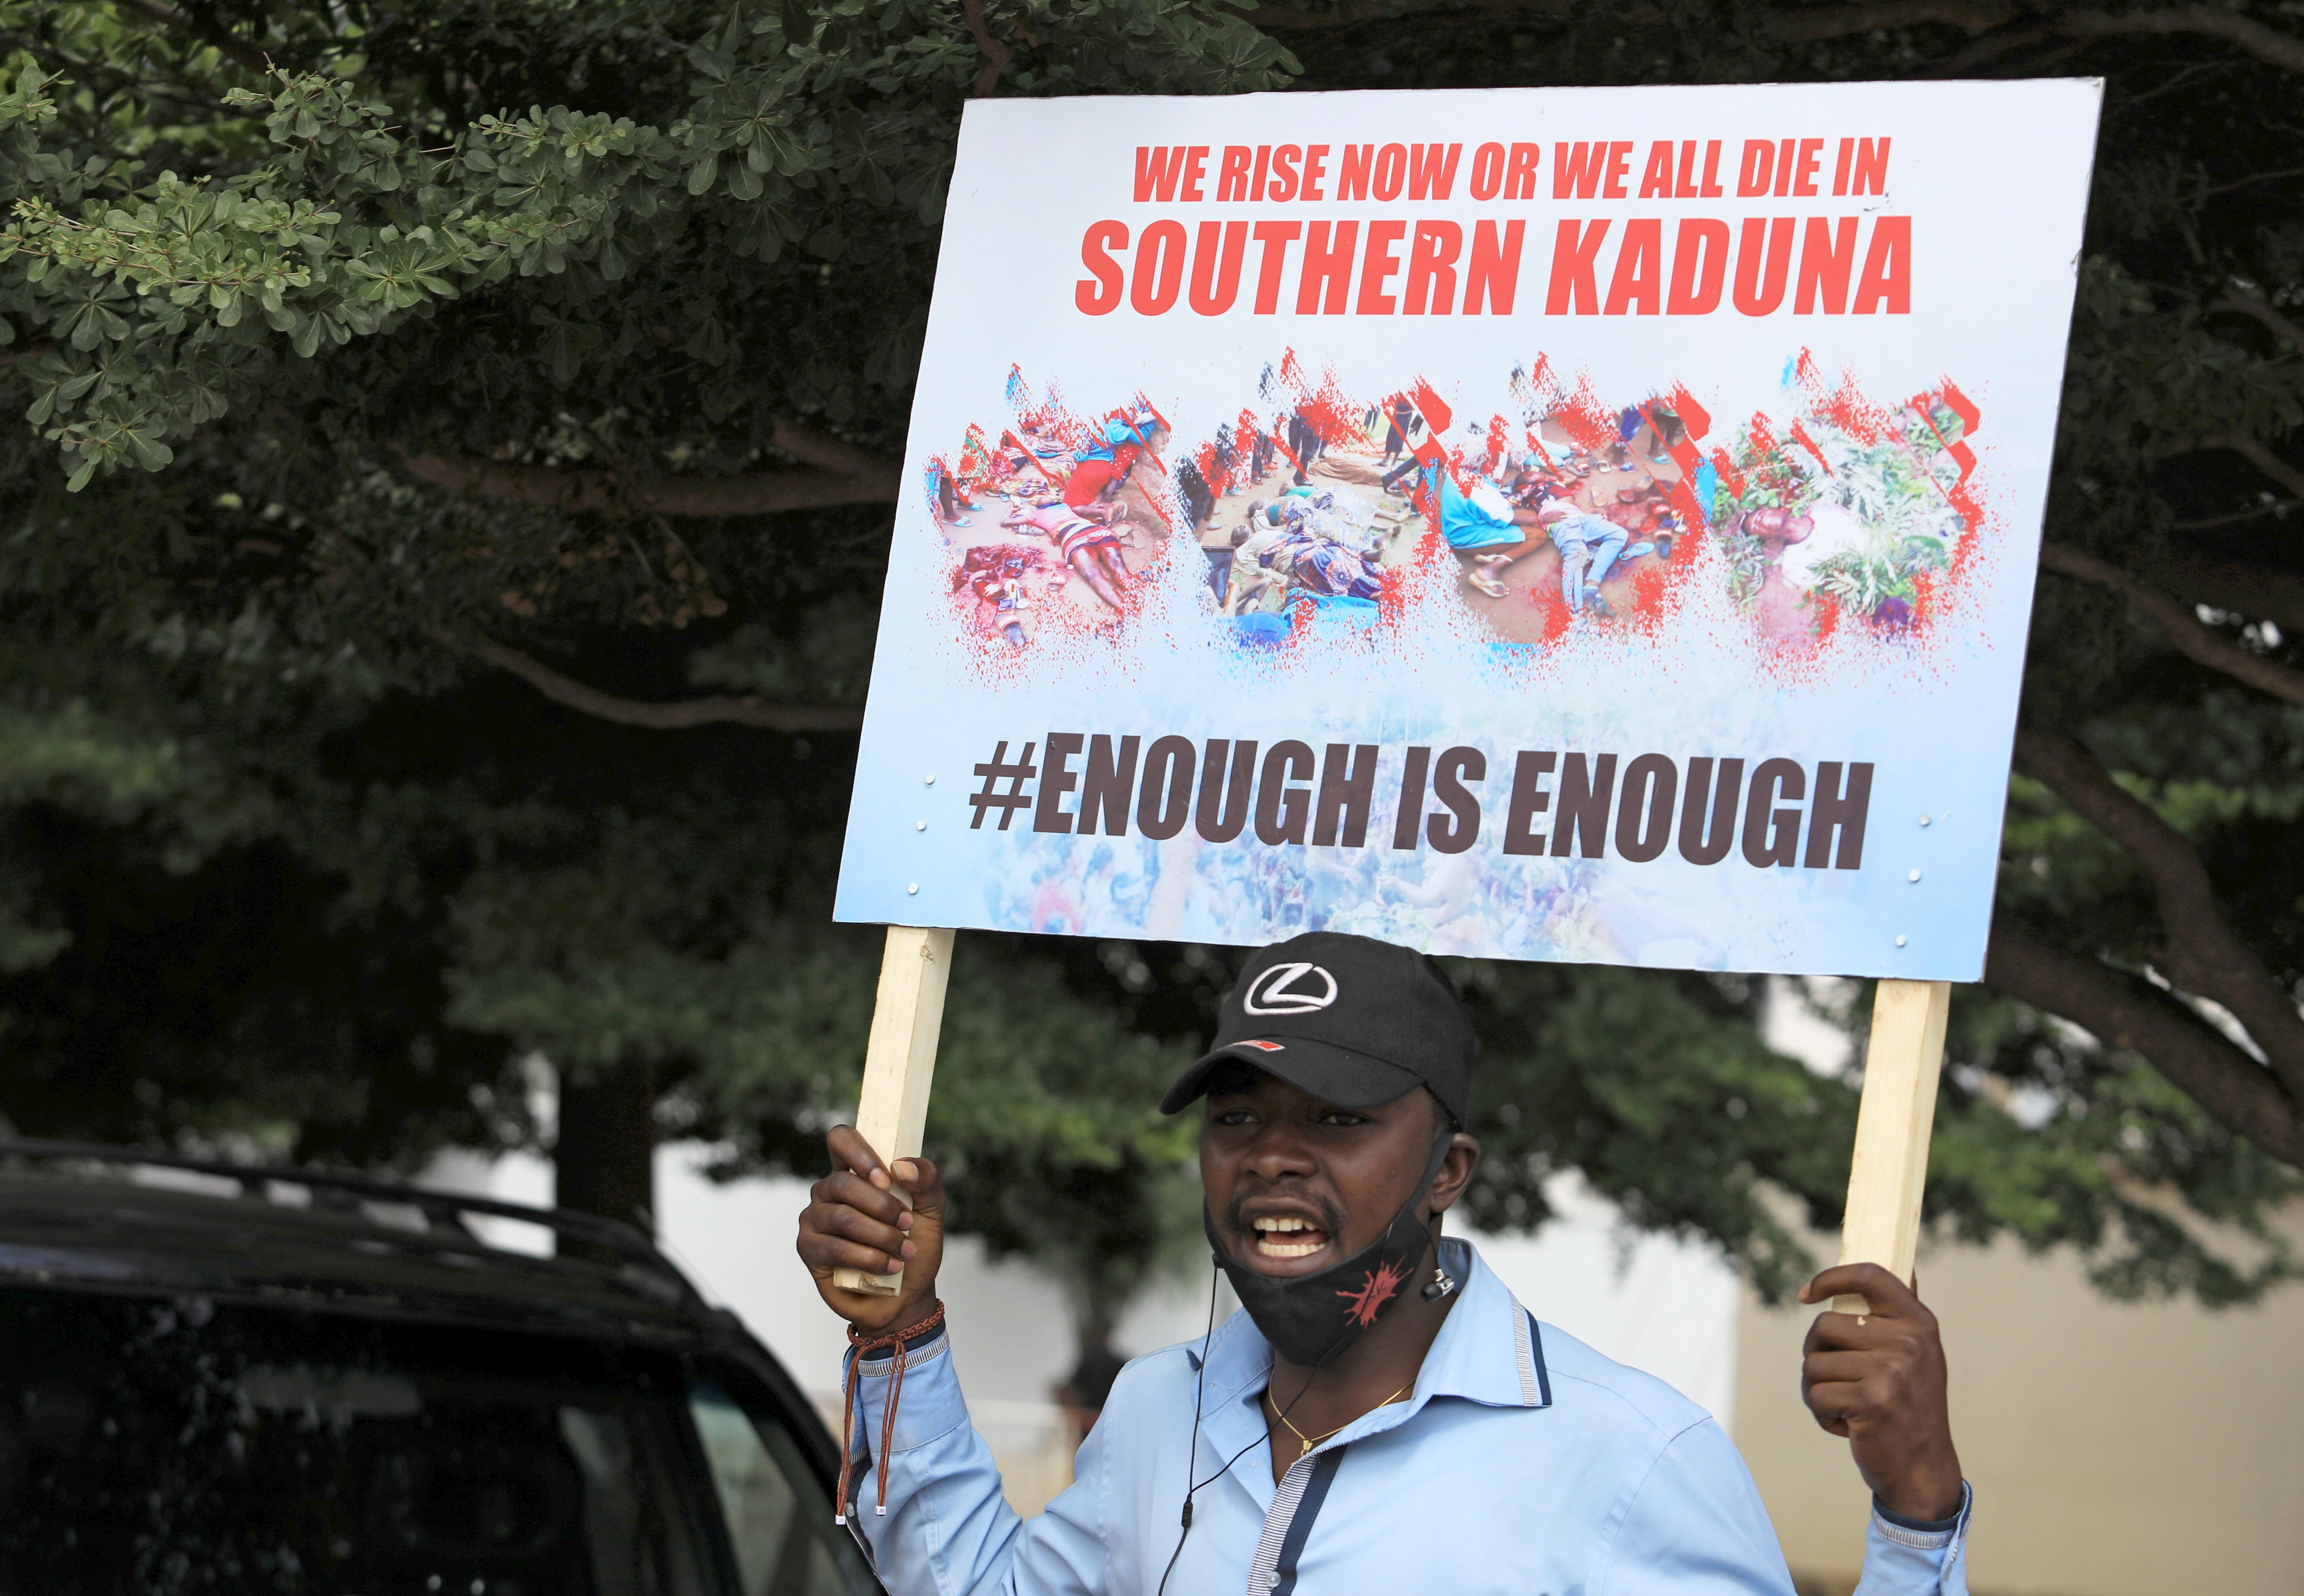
1304	440
1260	459
1396	433
1383	1416
1588	545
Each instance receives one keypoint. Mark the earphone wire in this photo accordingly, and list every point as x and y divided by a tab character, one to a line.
1192	1455
1192	1452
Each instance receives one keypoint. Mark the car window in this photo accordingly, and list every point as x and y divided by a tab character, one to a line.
779	1516
162	1449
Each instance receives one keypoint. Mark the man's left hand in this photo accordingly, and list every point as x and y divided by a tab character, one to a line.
1879	1380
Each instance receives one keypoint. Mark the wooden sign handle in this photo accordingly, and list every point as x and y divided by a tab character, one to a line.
900	1064
1893	1123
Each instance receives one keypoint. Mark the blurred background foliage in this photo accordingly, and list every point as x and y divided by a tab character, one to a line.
440	556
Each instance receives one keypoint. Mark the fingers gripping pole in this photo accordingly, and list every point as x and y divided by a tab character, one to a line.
1893	1123
899	1063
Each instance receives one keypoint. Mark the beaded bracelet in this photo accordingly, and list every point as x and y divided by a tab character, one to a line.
863	1345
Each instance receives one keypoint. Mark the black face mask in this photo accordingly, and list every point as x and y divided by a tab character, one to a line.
1311	1319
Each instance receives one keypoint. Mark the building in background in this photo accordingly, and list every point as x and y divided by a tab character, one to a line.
2117	1449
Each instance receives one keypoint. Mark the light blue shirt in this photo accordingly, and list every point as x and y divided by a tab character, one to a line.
1522	1461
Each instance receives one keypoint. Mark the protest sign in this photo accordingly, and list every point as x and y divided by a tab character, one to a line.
1690	635
1561	524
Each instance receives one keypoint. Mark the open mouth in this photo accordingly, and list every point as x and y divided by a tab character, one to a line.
1285	1235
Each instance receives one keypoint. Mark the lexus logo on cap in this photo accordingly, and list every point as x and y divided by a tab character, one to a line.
1288	989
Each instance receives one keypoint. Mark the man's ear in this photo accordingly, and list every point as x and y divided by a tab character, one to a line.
1456	1169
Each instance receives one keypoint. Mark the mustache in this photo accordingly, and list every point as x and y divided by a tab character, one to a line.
1331	1218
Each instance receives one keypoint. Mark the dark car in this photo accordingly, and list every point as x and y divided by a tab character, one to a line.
220	1378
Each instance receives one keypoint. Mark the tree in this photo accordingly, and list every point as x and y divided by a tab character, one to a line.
312	616
449	514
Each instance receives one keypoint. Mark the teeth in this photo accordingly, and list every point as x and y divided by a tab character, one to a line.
1272	1226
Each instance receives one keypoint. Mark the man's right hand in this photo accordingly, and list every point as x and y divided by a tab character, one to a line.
855	1221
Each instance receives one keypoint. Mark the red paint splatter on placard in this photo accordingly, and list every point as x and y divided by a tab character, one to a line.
1499	439
1826	610
1550	603
1650	589
1693	418
1862	421
1971	419
1536	443
1801	436
1764	439
1958	403
1695	423
1438	416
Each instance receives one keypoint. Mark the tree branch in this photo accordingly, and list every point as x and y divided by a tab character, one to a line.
2254	177
2276	507
1813	25
2176	619
1350	12
208	30
2269	45
2243	589
1808	25
2241	304
996	55
659	717
828	453
2128	1012
1983	47
2199	954
837	472
2256	454
2024	23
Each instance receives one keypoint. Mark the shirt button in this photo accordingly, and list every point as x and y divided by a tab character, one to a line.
1272	1580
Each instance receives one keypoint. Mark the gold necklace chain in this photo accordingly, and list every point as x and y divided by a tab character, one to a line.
1306	1442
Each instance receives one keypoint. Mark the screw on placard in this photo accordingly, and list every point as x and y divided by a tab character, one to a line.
929	780
920	825
1914	876
1900	941
914	889
1924	819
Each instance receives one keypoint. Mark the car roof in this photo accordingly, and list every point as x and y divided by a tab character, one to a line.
76	1217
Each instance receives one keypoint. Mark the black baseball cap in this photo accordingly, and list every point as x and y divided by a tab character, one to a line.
1351	1020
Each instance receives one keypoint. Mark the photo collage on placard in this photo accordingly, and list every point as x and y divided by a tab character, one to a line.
1312	510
